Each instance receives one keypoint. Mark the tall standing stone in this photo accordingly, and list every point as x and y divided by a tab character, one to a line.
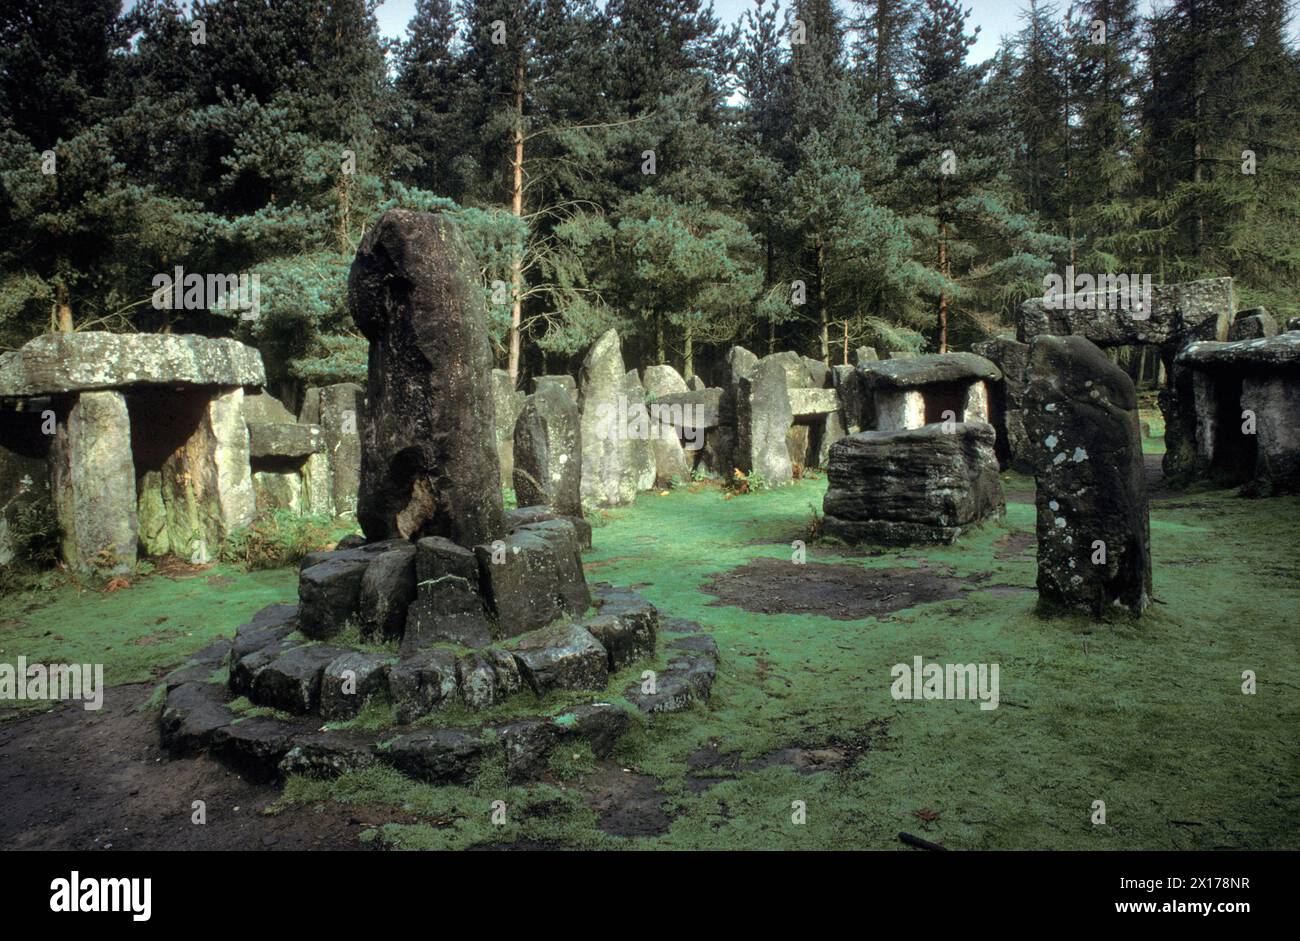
763	420
1080	411
339	410
429	464
93	482
548	451
609	475
508	401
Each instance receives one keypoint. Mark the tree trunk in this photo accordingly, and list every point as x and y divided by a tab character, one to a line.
944	269
517	207
688	355
767	280
821	303
661	355
62	309
943	294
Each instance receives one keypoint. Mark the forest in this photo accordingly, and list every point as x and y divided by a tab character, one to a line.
816	177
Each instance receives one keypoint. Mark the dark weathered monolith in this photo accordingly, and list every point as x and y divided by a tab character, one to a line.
429	465
1081	418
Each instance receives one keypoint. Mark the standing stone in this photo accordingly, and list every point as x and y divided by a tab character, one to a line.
1007	400
568	382
608	475
641	433
548	451
1094	549
763	420
663	380
1254	323
853	397
508	402
93	478
24	476
429	465
339	410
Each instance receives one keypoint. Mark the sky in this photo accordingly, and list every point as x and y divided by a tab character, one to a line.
995	18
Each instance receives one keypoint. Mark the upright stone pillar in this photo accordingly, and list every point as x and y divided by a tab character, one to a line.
429	465
232	476
1094	543
93	482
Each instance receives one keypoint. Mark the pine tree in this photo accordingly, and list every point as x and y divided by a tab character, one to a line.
984	253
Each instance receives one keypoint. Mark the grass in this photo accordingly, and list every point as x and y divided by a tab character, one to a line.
1147	716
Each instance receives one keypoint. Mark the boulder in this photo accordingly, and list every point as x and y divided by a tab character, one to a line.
853	397
528	744
275	490
284	440
349	680
915	486
807	403
1178	314
548	451
1081	414
662	380
448	606
688	677
562	656
261	407
329	596
534	576
429	462
256	746
436	756
92	361
526	515
1254	323
328	754
422	682
387	590
915	372
569	384
476	678
191	716
272	623
292	681
627	632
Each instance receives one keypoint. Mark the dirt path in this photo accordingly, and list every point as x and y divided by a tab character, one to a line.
72	779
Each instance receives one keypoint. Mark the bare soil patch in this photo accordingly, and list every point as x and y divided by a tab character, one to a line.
79	780
626	803
835	754
1016	547
842	592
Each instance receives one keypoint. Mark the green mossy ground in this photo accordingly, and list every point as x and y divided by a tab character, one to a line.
1148	716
